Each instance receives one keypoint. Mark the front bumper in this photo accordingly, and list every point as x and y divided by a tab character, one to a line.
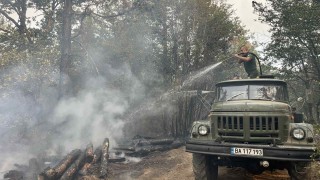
280	152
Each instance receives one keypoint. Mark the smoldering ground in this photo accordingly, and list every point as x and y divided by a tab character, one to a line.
111	105
29	129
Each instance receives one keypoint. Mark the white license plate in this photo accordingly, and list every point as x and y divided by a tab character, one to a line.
246	151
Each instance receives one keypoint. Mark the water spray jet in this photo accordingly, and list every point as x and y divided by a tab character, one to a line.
200	74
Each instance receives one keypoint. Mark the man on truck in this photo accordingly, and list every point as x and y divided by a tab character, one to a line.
249	62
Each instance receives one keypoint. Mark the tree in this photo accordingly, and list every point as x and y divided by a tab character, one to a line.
8	8
161	42
295	44
65	43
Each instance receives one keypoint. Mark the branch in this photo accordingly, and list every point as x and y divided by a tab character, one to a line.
14	7
4	30
114	15
313	53
86	13
9	18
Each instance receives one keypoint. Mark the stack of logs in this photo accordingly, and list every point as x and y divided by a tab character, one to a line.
80	163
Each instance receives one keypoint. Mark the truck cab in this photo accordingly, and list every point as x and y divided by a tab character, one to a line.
251	125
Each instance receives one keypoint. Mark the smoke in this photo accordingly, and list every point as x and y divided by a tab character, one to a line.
91	116
42	126
34	123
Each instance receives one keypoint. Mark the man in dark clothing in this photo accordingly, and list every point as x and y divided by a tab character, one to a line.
249	62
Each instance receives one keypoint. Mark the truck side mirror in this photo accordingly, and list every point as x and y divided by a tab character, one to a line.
298	117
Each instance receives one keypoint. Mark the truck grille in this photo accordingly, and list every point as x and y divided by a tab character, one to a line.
230	123
264	123
248	128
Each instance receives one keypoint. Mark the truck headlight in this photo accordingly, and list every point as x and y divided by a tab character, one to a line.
298	133
203	130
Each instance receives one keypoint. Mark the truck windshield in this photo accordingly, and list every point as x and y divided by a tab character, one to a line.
257	92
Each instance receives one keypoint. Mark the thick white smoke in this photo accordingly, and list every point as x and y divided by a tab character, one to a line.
95	113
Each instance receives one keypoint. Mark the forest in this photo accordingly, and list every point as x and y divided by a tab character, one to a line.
75	71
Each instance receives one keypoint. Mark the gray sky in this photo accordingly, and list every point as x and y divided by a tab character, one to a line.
244	10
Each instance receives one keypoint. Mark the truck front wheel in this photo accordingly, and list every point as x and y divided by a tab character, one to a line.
205	167
298	170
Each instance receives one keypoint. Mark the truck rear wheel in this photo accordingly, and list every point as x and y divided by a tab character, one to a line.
205	167
298	170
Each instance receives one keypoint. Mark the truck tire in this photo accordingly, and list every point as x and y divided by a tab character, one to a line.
298	170
205	167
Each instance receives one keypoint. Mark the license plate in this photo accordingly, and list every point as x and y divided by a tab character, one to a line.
246	151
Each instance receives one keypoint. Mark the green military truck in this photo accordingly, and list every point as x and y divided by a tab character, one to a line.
251	125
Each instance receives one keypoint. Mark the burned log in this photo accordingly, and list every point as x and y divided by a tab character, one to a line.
15	175
96	158
66	162
177	143
84	170
57	171
140	146
89	153
97	155
143	142
74	168
47	174
146	149
124	148
104	158
116	159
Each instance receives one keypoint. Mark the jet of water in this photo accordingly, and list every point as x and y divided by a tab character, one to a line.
200	74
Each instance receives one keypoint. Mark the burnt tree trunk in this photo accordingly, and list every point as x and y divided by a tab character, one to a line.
96	158
57	171
65	163
47	174
104	158
97	155
74	168
89	153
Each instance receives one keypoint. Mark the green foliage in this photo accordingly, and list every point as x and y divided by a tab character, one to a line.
295	34
147	45
294	46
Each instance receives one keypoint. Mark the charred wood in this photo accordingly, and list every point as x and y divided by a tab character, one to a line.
57	171
47	174
104	158
97	155
124	148
66	162
141	145
74	168
146	149
143	142
114	160
14	175
89	153
177	143
96	158
84	170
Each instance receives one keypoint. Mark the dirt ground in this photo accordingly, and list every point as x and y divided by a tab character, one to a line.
177	164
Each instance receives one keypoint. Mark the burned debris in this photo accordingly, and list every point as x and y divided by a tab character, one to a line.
89	162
